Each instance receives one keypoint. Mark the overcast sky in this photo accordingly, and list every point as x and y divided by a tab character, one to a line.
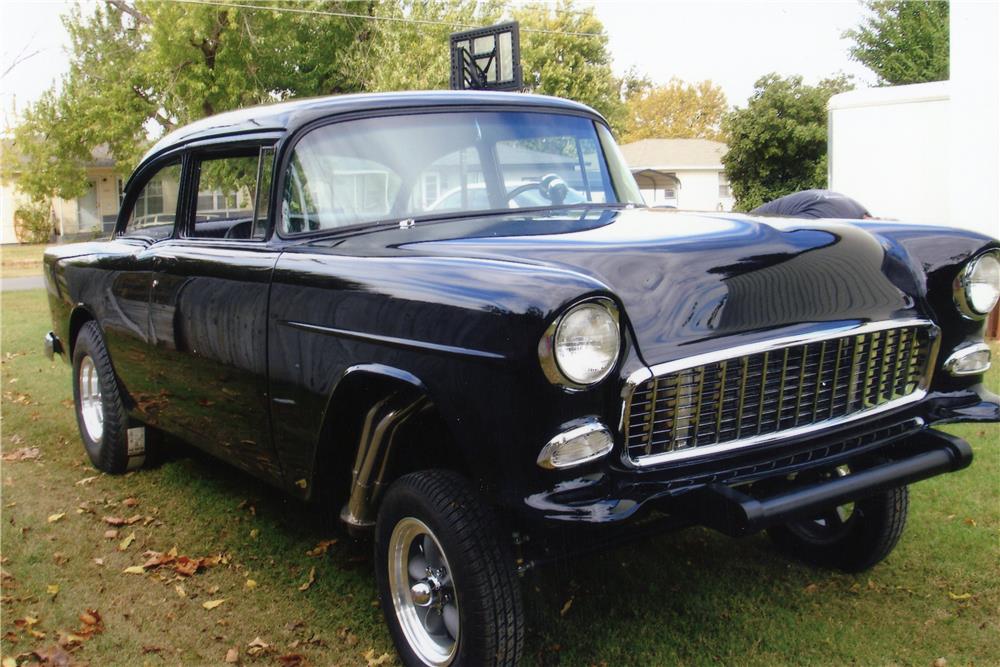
732	43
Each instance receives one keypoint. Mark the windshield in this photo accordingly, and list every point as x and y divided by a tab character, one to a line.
408	166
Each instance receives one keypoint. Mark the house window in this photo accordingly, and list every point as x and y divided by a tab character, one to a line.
724	189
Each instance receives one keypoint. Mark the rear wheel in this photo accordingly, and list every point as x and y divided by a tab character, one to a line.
100	410
447	585
851	537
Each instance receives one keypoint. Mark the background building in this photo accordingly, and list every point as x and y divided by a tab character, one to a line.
684	173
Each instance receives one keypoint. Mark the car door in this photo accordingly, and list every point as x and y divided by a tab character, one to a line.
208	309
121	299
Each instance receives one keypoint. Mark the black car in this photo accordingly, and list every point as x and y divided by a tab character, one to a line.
487	384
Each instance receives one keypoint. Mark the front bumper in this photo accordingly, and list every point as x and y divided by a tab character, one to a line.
53	345
611	492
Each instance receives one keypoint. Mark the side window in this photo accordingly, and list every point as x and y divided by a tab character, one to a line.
227	187
156	206
265	173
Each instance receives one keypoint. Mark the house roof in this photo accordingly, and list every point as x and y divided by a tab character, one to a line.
674	154
99	156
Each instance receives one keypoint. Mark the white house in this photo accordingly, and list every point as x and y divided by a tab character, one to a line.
685	173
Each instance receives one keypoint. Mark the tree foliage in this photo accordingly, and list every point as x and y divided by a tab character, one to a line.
677	109
903	41
777	143
140	68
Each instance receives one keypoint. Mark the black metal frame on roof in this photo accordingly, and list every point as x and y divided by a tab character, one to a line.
469	68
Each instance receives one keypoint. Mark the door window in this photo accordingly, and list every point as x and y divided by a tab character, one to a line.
227	187
155	208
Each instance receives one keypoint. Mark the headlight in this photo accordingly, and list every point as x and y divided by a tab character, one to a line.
977	286
582	345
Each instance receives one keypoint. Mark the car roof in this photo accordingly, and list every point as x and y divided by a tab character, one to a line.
288	116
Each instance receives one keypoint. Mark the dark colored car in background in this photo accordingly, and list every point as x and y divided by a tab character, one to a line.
450	319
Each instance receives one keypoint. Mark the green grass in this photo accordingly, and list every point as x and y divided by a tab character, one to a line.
692	598
18	260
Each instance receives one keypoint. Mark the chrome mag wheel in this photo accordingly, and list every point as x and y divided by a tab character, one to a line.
422	591
91	405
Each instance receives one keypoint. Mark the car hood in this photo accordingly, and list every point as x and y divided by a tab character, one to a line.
684	278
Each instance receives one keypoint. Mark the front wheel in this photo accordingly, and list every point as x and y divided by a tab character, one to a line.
447	584
852	537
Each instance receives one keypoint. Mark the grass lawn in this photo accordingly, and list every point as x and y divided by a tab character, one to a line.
18	260
693	598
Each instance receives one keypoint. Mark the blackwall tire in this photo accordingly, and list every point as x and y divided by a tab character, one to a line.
446	581
100	411
865	539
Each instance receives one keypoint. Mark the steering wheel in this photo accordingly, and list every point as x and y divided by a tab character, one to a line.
521	189
550	186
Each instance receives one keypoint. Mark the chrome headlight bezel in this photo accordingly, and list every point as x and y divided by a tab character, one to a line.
548	352
963	282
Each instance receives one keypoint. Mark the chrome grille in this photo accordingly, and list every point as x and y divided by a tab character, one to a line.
774	390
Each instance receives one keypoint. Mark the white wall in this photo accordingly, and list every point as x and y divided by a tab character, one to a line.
699	191
975	116
889	149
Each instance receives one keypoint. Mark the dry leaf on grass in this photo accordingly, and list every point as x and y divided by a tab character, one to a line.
310	581
292	660
134	569
56	517
565	607
23	454
212	604
233	655
383	659
959	596
87	480
320	548
257	647
52	590
127	542
250	584
111	534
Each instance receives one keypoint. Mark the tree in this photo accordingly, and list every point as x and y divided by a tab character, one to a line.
777	144
139	70
677	109
903	41
571	58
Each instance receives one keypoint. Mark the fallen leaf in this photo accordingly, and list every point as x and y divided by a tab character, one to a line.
180	590
565	607
60	558
258	646
302	483
310	581
969	521
233	655
52	589
250	584
56	517
90	617
383	659
320	548
254	533
957	596
127	542
940	662
152	649
114	521
212	604
111	534
291	660
23	454
99	561
134	569
87	480
130	502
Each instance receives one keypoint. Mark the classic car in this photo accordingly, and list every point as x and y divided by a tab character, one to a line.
487	387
